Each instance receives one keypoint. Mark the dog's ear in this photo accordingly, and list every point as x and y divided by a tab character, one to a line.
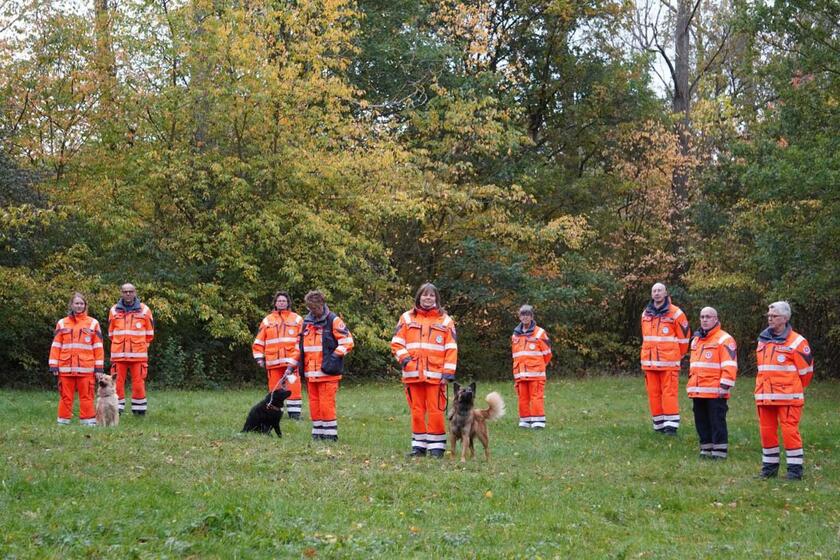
472	386
456	387
114	376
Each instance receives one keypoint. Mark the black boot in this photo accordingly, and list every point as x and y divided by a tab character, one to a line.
436	453
769	470
794	472
294	416
139	412
417	452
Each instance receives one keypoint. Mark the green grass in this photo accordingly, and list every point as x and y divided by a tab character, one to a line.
596	484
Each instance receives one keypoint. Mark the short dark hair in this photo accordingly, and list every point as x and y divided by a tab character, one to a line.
277	295
315	297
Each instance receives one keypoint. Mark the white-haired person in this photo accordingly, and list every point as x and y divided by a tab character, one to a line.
531	350
785	368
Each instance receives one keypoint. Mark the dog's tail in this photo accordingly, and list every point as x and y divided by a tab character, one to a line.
497	406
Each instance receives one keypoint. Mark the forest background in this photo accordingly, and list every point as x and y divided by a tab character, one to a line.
566	154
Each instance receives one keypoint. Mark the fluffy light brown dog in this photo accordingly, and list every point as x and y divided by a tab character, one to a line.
106	400
466	423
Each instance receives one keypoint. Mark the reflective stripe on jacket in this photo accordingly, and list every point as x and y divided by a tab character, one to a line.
714	362
324	342
131	330
277	339
426	346
531	350
77	346
665	338
785	368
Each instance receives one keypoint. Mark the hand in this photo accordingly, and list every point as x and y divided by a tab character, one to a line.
54	371
261	363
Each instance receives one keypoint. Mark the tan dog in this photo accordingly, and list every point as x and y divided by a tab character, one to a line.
106	400
466	423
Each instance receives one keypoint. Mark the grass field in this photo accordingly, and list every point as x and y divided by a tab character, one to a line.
597	483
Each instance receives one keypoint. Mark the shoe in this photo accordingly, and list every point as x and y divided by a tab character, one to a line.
524	425
794	472
769	471
670	431
329	438
294	416
417	452
138	412
437	453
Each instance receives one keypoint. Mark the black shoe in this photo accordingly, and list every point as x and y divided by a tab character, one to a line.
329	438
294	416
669	431
417	452
437	453
794	472
769	471
138	412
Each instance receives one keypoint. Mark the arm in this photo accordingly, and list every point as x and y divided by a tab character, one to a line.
150	326
55	349
343	337
450	361
728	363
398	344
804	361
545	347
684	334
258	346
98	350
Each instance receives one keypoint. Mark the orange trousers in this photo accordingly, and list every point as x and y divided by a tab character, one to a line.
427	402
68	386
663	397
322	409
531	393
138	372
293	403
770	417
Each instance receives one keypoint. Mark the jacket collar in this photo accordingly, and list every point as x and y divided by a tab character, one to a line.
767	335
525	329
653	311
700	333
78	316
434	312
121	305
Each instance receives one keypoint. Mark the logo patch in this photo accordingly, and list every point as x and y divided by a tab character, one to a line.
780	359
138	324
665	330
532	346
439	339
708	354
291	331
807	349
87	339
731	345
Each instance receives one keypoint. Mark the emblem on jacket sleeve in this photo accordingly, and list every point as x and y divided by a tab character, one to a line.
439	339
707	354
665	330
138	324
780	358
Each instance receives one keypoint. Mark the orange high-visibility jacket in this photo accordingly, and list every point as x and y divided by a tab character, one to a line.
665	336
531	350
426	346
77	346
714	362
324	343
131	330
277	340
785	368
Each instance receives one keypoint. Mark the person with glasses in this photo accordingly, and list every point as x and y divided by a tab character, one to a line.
785	368
665	335
714	365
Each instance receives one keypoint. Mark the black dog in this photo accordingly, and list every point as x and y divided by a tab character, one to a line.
265	415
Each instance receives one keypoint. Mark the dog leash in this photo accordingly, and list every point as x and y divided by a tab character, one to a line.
280	383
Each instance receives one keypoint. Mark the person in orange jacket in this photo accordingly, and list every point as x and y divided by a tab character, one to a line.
131	328
276	349
531	349
714	366
665	336
325	341
785	368
425	345
76	357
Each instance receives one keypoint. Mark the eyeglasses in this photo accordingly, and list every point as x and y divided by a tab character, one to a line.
708	316
773	316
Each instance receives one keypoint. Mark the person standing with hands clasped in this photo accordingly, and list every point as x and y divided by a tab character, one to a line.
276	349
785	368
325	341
131	329
76	357
531	351
425	345
714	365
